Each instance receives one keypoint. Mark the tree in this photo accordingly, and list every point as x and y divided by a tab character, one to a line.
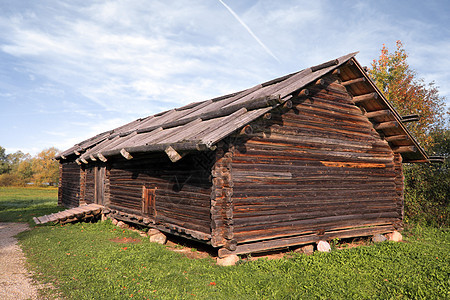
408	94
16	158
25	171
45	168
427	186
4	163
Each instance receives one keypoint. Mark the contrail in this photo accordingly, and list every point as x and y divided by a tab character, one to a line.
249	31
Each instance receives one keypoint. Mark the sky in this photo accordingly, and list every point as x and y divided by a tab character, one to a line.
72	69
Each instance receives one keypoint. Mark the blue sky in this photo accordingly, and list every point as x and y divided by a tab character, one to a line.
72	69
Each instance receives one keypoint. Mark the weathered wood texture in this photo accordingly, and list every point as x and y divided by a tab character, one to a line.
318	167
222	197
71	215
181	190
69	187
60	189
399	188
89	194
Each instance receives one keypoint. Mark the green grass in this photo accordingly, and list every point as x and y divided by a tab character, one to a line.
22	204
83	262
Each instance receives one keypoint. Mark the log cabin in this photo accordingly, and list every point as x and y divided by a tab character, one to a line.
314	155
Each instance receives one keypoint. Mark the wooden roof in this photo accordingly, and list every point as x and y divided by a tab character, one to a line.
200	125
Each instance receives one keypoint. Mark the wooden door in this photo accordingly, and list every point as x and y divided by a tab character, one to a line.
148	201
100	185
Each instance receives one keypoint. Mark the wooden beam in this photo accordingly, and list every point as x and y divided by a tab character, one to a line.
231	245
365	97
410	118
279	243
288	104
394	138
320	82
76	152
353	81
404	149
246	130
378	113
325	65
92	157
173	155
386	125
304	92
437	159
101	157
84	160
336	72
126	154
267	116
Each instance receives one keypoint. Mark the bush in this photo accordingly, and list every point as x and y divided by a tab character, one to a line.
11	180
427	186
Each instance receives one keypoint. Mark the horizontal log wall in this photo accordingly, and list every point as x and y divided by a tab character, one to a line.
69	187
317	167
183	189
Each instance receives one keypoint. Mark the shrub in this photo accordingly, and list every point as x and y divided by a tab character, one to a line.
10	180
427	186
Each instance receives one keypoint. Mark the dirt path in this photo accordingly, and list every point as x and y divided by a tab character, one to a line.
15	282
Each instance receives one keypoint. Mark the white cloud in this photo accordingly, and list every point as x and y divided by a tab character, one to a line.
120	69
107	62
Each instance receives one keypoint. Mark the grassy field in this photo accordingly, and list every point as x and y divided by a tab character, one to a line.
87	261
22	204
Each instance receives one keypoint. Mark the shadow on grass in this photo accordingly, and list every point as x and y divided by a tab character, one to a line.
22	204
26	214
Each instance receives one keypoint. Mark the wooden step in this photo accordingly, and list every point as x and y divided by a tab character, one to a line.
75	213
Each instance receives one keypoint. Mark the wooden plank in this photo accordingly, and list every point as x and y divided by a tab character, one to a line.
318	215
43	219
284	231
78	212
266	245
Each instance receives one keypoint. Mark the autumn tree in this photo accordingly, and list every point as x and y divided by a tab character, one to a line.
25	171
45	168
409	94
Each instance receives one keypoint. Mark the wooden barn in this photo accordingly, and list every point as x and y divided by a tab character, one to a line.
310	156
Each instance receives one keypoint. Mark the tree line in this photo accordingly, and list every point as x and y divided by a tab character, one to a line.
21	169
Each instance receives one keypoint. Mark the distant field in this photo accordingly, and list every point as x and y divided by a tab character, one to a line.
22	204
